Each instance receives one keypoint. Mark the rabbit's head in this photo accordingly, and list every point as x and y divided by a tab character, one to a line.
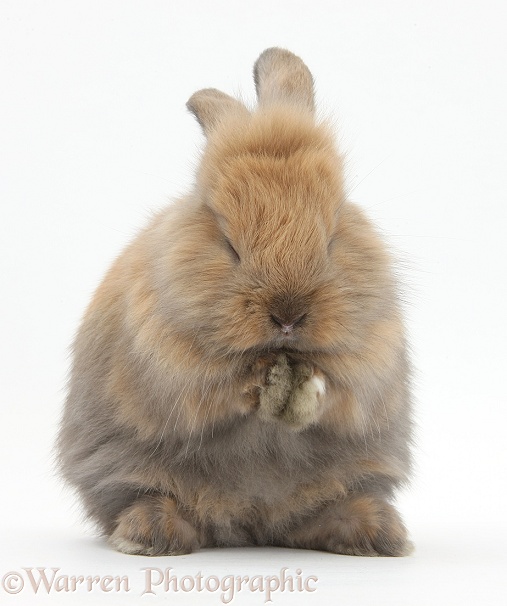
274	257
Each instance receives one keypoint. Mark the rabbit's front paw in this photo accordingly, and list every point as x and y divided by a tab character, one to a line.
276	391
308	387
291	393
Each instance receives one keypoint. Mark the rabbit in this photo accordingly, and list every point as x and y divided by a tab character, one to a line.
241	376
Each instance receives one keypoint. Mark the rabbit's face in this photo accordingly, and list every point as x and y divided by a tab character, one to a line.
285	267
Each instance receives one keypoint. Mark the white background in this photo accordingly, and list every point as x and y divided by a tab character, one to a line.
94	135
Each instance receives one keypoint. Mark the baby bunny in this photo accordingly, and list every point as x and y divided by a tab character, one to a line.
241	374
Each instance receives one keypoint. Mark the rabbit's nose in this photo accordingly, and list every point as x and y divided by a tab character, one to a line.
287	323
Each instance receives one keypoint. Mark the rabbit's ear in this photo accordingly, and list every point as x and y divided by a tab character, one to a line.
281	77
210	105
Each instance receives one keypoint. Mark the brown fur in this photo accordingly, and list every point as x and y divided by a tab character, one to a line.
241	375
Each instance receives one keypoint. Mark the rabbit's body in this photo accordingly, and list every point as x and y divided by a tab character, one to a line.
241	374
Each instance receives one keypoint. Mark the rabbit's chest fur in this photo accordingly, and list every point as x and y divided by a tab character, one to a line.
251	470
